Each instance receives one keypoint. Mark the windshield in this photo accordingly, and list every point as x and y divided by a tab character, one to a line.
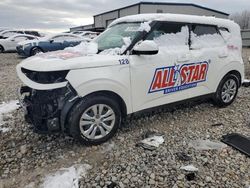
116	36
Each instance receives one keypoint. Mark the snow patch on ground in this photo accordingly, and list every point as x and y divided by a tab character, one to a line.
66	177
206	145
154	141
246	81
189	168
5	108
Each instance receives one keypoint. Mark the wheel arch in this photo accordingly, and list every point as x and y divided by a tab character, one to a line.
2	47
70	105
34	48
237	74
112	95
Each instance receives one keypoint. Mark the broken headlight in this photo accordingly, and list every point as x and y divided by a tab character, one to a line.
46	77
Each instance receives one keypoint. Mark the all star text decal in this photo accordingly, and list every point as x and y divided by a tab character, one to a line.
177	78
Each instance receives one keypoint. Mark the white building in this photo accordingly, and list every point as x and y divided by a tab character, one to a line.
101	21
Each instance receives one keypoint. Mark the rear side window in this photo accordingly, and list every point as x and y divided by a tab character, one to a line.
170	35
205	36
200	30
35	33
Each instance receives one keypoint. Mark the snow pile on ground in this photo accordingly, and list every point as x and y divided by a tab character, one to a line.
189	168
6	108
66	177
174	41
154	141
206	145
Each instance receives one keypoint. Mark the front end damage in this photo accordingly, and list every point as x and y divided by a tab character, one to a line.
47	109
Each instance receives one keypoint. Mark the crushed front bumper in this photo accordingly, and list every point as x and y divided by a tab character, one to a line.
47	110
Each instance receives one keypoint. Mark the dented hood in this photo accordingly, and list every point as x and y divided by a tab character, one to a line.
67	60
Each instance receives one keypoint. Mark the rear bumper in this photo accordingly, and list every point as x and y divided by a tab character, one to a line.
246	83
47	110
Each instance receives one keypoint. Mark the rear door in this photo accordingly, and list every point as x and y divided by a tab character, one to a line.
70	41
56	43
208	46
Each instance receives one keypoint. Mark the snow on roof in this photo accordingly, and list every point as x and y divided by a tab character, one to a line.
232	26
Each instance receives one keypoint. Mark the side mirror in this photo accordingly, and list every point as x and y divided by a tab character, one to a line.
146	47
51	41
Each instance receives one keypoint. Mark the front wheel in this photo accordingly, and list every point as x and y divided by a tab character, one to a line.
227	91
94	120
35	50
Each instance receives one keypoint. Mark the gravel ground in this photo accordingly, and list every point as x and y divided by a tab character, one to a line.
26	157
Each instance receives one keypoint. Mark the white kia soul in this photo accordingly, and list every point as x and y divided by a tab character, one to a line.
139	62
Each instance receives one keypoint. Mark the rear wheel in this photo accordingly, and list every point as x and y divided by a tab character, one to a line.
35	50
1	49
227	91
94	120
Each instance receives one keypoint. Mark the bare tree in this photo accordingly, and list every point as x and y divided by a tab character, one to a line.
243	19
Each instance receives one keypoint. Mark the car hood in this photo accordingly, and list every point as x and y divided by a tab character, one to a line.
32	42
22	43
67	60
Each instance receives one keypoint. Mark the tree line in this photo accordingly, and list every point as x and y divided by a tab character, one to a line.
242	18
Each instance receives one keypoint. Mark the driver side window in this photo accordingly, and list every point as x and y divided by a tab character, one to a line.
58	39
19	39
170	35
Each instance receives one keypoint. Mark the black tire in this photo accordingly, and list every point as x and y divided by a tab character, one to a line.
78	110
218	98
1	49
35	51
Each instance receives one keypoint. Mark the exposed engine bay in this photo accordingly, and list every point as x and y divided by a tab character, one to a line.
47	110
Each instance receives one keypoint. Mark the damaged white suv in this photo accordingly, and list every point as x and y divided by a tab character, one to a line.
139	62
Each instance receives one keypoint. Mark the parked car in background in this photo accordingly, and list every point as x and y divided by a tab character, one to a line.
3	29
86	34
7	33
11	42
49	43
90	34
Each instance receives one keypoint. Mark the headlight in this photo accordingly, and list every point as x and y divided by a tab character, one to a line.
46	77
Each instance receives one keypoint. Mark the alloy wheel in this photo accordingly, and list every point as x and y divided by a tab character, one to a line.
229	90
97	121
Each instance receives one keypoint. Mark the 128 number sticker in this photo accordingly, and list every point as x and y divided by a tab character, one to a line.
124	61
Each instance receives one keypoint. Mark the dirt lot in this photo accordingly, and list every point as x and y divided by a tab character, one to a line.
26	158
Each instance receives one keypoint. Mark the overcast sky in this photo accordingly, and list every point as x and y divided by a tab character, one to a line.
59	15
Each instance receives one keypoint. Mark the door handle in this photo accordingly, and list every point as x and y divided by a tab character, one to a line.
183	58
223	55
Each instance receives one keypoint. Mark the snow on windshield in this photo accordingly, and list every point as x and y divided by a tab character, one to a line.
145	27
117	51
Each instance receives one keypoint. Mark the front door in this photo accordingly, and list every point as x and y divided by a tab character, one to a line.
164	78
